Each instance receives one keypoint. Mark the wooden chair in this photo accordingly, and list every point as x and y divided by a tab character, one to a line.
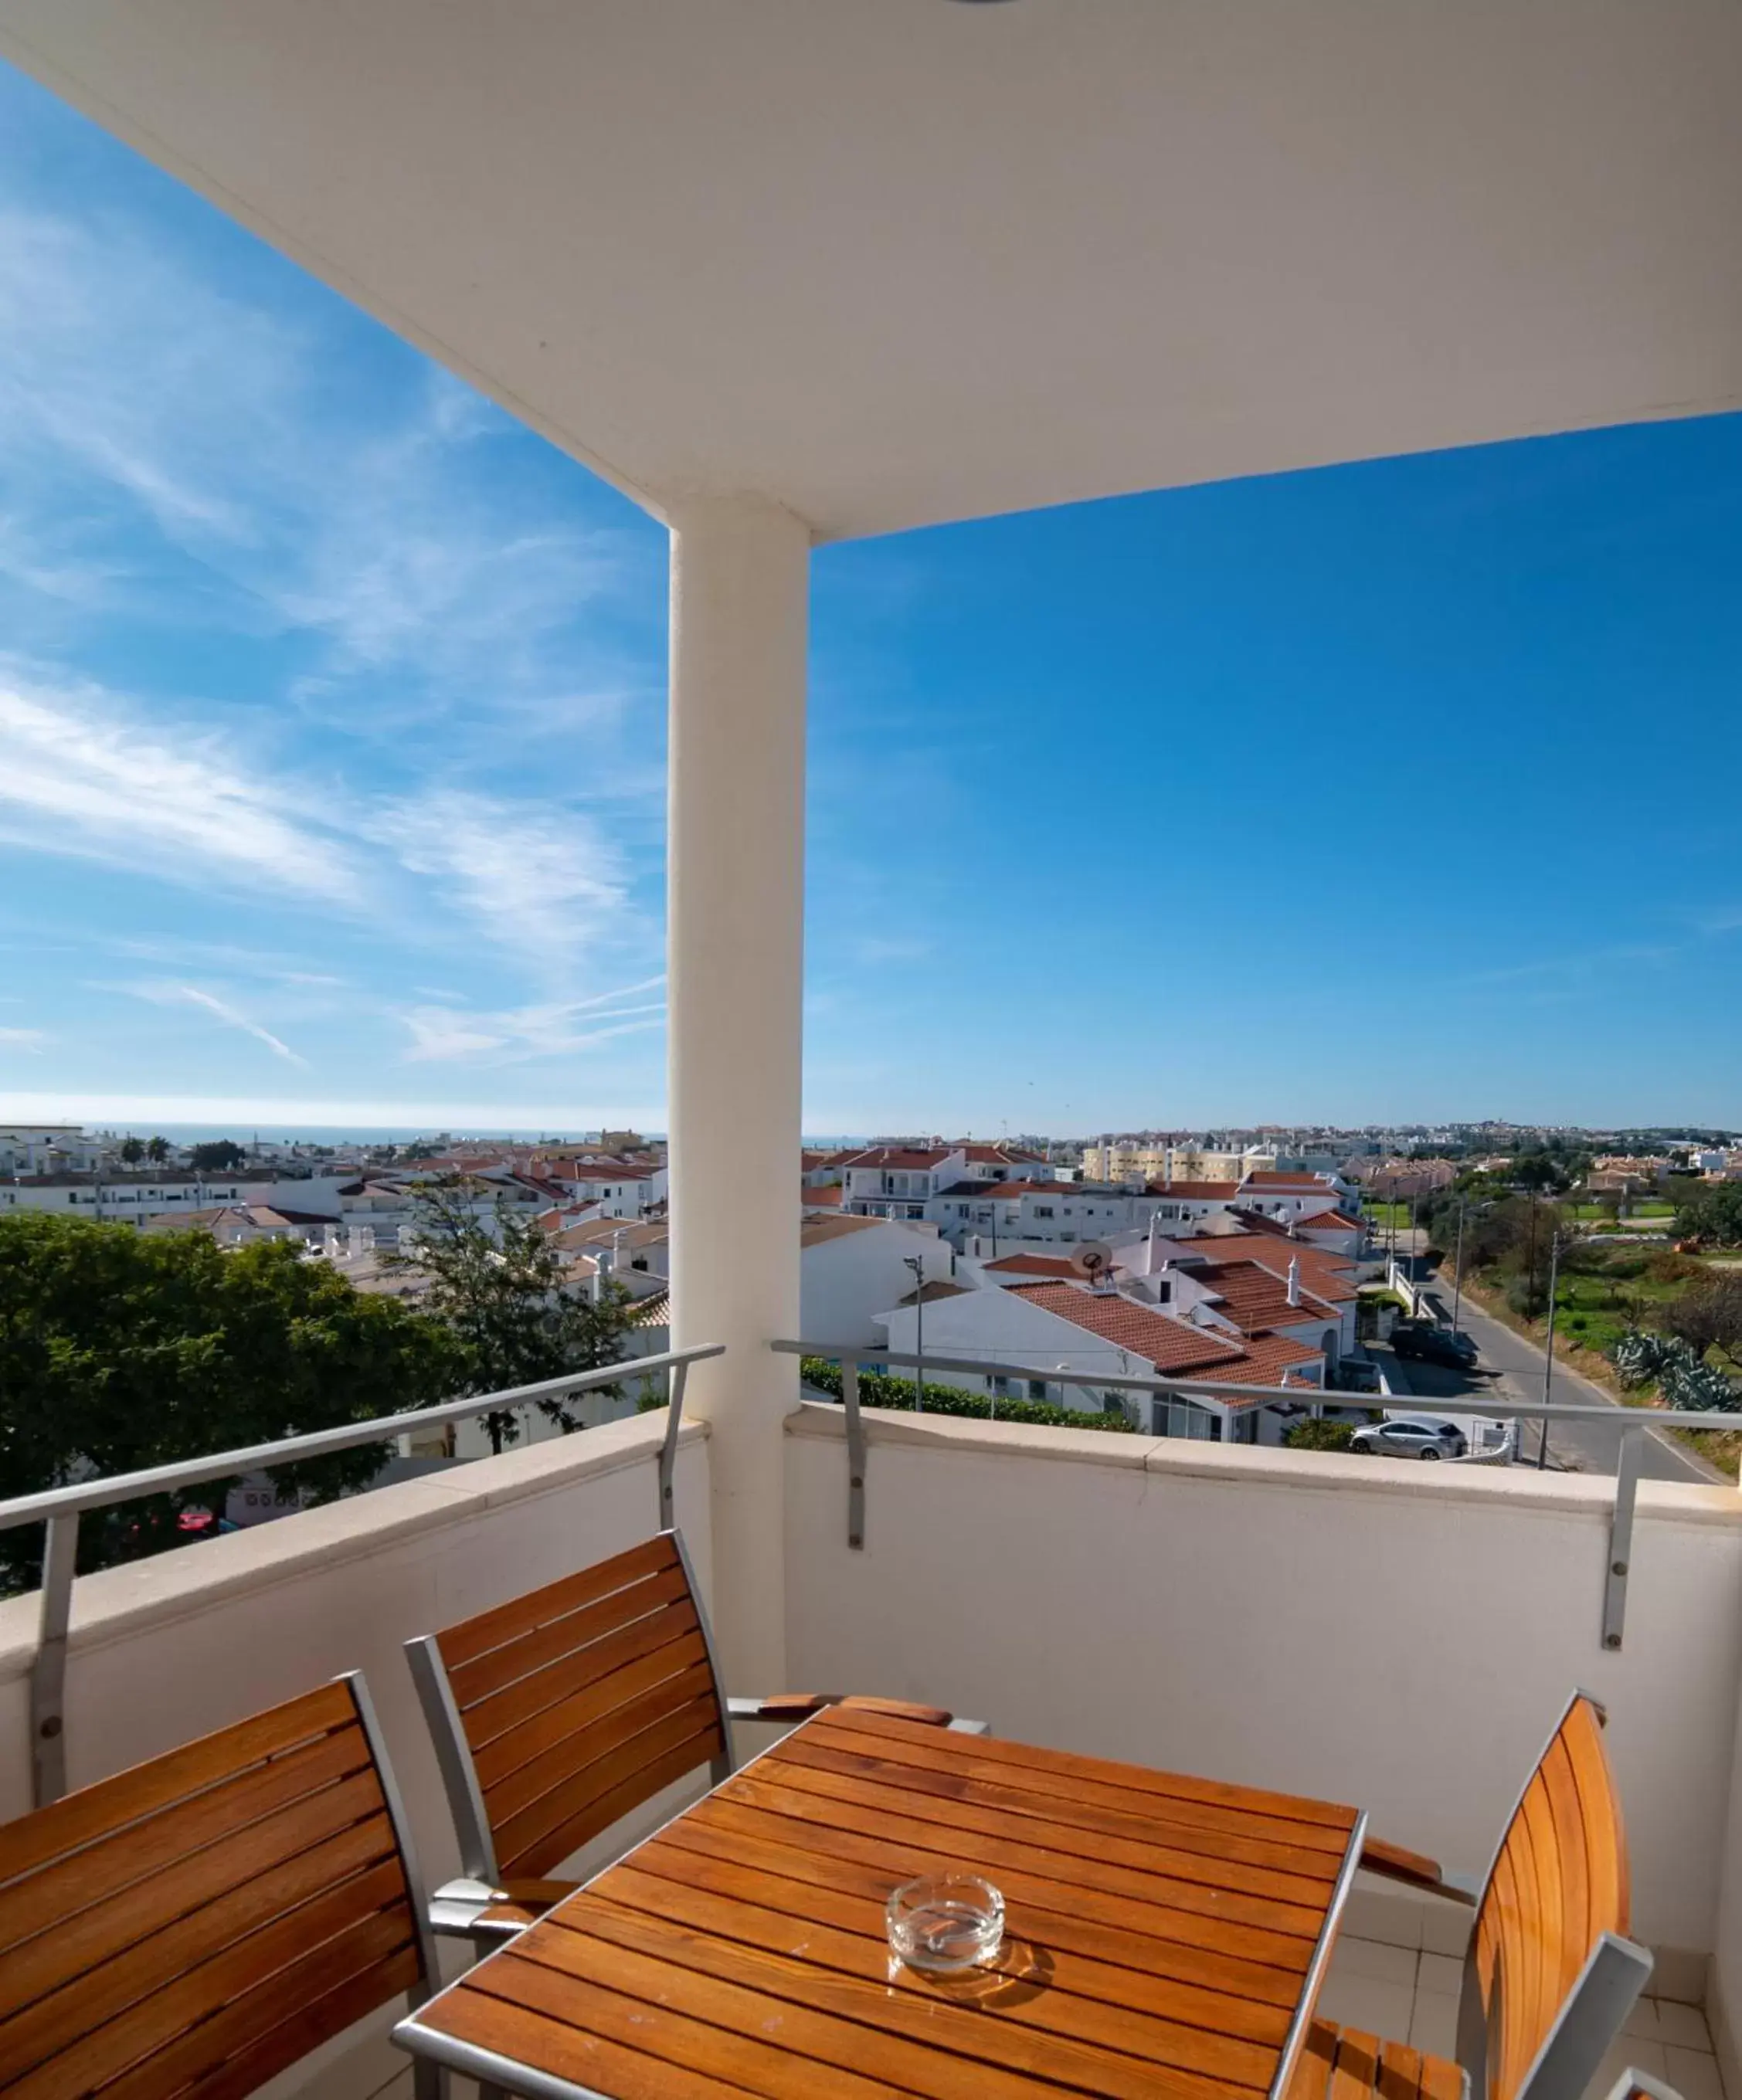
1640	2085
1550	1976
202	1922
556	1714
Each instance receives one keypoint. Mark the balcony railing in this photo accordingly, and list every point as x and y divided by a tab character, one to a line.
1631	1423
60	1509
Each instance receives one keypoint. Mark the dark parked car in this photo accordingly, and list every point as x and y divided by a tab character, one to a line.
1434	1345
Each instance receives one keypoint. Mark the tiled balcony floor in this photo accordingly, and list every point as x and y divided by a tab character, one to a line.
1410	1994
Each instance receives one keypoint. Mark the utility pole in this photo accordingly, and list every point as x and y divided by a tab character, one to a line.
1548	1361
1458	1269
917	1263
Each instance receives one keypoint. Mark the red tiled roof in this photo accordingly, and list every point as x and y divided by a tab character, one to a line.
1263	1361
1169	1344
999	1155
1338	1221
1175	1347
1256	1299
1033	1264
820	1199
1203	1191
1314	1182
883	1157
1329	1275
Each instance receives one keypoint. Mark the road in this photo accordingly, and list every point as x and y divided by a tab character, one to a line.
1578	1447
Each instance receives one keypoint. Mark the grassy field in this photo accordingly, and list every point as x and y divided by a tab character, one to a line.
1387	1214
1648	1210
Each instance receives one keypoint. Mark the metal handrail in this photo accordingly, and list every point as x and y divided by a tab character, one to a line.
59	1510
1631	1423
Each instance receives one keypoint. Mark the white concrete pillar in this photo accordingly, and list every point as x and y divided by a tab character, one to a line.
740	590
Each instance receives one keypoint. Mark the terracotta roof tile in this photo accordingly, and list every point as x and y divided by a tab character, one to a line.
1169	1344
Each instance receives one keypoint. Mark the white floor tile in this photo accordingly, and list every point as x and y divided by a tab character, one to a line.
1643	2020
1439	1972
1683	2026
1369	2003
1433	2025
1374	1957
1446	1928
1384	1914
1694	2073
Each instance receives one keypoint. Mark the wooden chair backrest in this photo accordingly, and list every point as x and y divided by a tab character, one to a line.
205	1920
1558	1884
580	1701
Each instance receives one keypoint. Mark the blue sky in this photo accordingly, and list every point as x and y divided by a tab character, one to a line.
332	751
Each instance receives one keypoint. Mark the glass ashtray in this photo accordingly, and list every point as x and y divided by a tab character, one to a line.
945	1923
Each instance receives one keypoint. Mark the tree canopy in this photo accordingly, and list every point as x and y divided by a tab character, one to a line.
221	1155
499	1285
1712	1211
121	1349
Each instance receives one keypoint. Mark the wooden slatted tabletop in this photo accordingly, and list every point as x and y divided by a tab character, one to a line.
1162	1934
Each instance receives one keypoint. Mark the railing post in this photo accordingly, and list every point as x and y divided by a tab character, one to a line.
1620	1540
668	1451
48	1673
856	1455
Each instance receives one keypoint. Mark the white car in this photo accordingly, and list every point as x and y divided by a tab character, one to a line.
1410	1437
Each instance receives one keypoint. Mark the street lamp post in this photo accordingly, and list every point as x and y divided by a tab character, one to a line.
917	1263
1548	1361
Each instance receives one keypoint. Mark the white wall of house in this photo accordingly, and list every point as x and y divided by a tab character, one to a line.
846	1281
995	1324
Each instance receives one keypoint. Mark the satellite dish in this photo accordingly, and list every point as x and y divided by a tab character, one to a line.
1094	1260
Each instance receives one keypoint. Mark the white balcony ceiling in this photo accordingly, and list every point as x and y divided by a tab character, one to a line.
894	261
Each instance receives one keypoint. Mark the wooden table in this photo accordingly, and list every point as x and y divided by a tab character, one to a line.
1162	1934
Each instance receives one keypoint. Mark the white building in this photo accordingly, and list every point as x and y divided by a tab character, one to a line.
851	1269
130	1199
1063	1336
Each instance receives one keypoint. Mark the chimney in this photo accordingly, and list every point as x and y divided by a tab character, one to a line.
1295	1280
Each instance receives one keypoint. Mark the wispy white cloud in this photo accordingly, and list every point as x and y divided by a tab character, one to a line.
84	773
79	775
545	884
231	1016
179	405
33	1039
449	1033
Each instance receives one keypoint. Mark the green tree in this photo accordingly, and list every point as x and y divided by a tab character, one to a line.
500	1287
157	1149
132	1151
120	1350
1709	1317
1711	1211
222	1155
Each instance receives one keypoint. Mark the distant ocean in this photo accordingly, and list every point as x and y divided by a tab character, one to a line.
199	1133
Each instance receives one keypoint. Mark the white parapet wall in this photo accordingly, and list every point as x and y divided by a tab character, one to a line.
1398	1636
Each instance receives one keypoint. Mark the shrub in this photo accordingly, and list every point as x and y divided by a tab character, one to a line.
878	1389
1527	1298
1683	1377
1321	1435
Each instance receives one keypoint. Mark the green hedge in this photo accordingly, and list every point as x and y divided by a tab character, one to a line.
878	1389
